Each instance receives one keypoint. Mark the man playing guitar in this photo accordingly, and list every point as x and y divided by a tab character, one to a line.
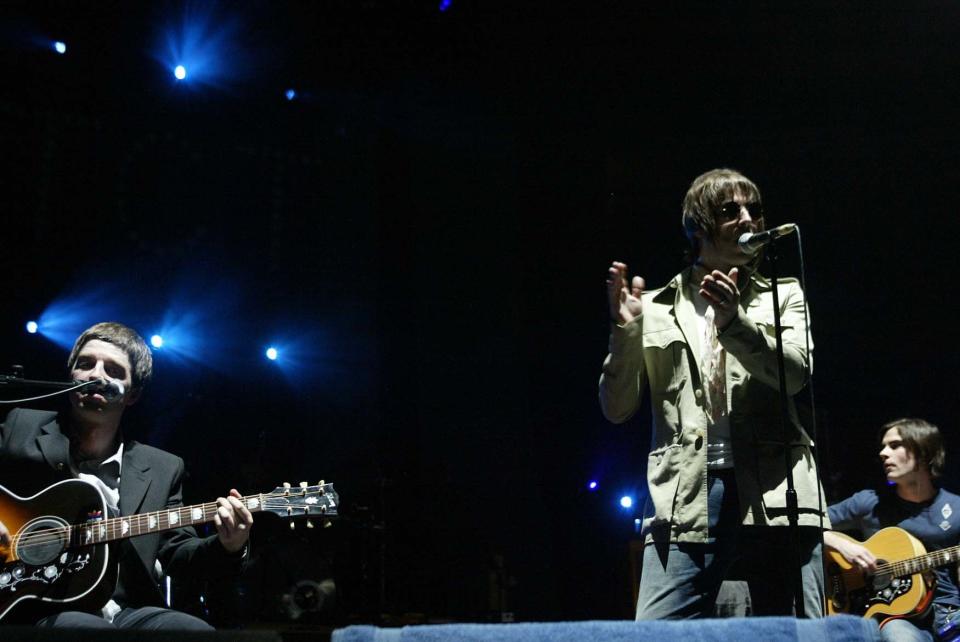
40	448
912	454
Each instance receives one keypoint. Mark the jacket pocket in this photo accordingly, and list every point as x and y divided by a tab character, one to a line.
663	477
665	352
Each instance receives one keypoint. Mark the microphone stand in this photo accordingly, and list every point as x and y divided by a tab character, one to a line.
793	508
17	382
13	381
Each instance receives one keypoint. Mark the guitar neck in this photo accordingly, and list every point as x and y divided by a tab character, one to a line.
101	531
922	563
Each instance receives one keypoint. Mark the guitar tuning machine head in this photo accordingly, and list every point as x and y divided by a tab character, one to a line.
309	524
286	488
293	526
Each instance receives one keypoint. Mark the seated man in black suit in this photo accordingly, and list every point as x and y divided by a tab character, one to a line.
39	448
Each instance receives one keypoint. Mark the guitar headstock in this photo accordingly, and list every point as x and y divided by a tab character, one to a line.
319	500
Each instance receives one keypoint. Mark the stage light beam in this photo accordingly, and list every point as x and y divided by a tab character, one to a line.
290	94
60	47
156	341
32	327
272	353
593	485
180	72
626	501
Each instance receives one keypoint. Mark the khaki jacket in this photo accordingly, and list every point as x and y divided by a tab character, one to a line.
662	348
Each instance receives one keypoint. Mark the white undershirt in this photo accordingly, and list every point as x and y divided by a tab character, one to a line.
112	497
719	447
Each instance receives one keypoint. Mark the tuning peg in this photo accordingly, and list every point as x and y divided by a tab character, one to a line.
286	488
327	523
303	487
293	526
309	524
320	483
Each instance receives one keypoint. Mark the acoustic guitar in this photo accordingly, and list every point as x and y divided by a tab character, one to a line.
901	587
59	551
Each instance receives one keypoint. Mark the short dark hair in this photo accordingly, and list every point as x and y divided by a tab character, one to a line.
922	439
706	196
127	339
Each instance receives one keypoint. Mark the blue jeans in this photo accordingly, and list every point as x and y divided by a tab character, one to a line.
681	581
918	631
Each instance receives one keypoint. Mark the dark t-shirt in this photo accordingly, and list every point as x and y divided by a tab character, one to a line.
936	523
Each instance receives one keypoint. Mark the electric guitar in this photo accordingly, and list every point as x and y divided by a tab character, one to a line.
901	587
58	551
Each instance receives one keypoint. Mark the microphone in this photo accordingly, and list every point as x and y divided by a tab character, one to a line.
751	243
110	390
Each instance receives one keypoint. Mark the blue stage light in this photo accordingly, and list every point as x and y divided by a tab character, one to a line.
32	327
60	47
593	485
180	72
445	4
211	41
272	353
156	341
626	501
74	311
291	94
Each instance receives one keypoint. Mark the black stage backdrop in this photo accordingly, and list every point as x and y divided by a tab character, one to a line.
431	220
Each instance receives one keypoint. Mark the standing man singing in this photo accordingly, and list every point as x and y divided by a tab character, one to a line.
706	346
85	441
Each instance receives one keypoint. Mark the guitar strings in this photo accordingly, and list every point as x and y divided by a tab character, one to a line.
901	567
51	535
54	534
267	501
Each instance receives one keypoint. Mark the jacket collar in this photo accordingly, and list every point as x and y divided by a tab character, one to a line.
53	444
685	313
677	292
134	481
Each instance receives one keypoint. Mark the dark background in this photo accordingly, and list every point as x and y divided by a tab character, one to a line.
429	225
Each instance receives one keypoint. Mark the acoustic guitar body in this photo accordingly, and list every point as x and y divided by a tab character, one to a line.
41	565
885	595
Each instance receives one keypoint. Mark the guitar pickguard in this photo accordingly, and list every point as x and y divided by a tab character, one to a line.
881	594
17	573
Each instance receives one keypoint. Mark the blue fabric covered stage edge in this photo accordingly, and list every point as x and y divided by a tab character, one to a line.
839	628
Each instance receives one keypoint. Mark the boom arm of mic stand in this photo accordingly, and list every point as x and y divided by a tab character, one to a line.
18	382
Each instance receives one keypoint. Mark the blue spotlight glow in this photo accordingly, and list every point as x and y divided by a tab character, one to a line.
198	324
60	47
272	353
32	327
291	94
445	4
211	42
626	501
156	341
593	485
180	72
71	313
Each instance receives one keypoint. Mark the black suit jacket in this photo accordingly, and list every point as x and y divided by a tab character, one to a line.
34	454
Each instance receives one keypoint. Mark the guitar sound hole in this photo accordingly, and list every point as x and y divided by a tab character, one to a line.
42	540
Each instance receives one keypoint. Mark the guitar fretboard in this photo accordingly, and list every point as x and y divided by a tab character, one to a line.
921	563
101	531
